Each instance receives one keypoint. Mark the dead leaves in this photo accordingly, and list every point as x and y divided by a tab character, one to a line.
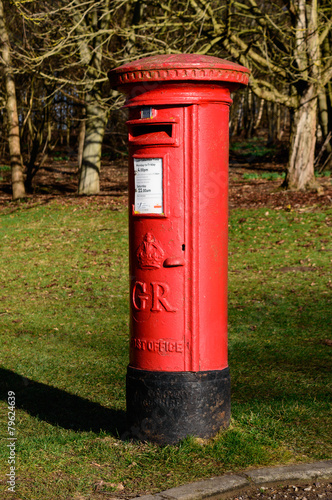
103	485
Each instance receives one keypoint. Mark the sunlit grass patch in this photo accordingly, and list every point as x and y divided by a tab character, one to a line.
64	351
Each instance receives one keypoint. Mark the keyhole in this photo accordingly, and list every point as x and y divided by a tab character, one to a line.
183	247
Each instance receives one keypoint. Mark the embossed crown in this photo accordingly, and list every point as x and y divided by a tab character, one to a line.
149	262
149	254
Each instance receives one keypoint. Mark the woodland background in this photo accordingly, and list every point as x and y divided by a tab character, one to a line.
55	95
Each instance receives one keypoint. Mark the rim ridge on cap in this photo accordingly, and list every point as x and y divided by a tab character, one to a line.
179	67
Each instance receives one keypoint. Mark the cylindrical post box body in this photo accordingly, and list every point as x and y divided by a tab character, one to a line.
178	380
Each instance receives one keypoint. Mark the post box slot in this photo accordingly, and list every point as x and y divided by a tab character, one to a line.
163	129
153	133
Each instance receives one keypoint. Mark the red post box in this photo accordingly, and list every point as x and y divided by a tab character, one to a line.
178	380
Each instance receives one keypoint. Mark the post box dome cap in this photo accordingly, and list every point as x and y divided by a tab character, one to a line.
179	67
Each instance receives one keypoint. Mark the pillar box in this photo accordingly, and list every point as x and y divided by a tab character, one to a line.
178	381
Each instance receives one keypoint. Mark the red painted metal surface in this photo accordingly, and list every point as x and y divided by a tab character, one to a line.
178	190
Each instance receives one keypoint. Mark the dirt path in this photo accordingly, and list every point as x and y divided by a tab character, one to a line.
319	490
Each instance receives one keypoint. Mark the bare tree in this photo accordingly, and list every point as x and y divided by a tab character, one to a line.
281	43
91	28
65	46
74	44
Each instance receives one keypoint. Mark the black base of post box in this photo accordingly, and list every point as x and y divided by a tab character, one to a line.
165	407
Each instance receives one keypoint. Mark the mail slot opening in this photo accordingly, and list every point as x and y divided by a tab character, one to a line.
163	129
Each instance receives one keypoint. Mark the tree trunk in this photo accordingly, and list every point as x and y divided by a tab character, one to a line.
94	134
323	112
272	126
300	171
259	115
324	123
18	188
81	138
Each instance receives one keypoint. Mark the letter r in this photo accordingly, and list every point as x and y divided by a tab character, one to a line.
159	300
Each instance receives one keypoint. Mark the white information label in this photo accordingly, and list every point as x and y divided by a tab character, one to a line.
148	185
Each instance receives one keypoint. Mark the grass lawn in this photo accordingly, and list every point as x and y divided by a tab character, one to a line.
64	352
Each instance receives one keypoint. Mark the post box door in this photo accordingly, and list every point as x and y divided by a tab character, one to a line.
157	241
178	238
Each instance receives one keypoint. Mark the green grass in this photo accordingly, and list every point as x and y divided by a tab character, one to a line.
270	176
3	168
325	173
254	147
64	351
275	176
59	157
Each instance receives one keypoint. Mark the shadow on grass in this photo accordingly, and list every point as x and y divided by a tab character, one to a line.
59	407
